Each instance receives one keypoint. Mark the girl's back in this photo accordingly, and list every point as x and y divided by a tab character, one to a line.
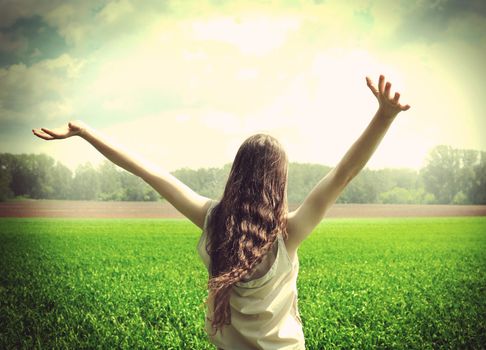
264	312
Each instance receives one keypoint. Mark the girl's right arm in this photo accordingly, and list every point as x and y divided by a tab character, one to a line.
305	218
184	199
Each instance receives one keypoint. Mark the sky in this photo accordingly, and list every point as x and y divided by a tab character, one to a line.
183	83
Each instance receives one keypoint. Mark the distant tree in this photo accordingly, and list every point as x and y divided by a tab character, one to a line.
43	166
397	177
61	181
468	160
213	181
5	179
396	195
209	182
23	178
302	179
85	185
400	195
460	198
364	188
135	189
450	176
441	173
453	175
477	191
110	180
30	175
188	176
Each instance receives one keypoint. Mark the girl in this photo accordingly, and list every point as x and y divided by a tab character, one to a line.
249	241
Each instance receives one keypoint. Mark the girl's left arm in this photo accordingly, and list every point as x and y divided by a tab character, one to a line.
184	199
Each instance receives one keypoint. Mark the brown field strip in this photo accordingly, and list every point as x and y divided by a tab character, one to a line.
89	209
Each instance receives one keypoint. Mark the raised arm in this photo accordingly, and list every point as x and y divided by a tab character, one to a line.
304	219
184	199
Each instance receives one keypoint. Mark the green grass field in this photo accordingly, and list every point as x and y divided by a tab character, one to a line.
363	284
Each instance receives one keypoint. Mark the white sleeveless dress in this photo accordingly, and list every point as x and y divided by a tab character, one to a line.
264	311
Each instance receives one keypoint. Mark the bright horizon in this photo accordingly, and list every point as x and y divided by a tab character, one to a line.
183	85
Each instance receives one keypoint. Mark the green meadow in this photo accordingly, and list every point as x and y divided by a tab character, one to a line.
138	283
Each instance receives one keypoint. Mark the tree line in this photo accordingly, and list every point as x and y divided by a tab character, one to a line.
450	176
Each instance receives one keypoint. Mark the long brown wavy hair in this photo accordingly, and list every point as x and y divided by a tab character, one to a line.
246	222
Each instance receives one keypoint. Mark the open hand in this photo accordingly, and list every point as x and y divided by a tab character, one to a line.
73	128
388	105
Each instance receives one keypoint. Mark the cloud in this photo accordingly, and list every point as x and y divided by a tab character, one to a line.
29	40
116	11
255	35
12	11
432	21
91	25
40	92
